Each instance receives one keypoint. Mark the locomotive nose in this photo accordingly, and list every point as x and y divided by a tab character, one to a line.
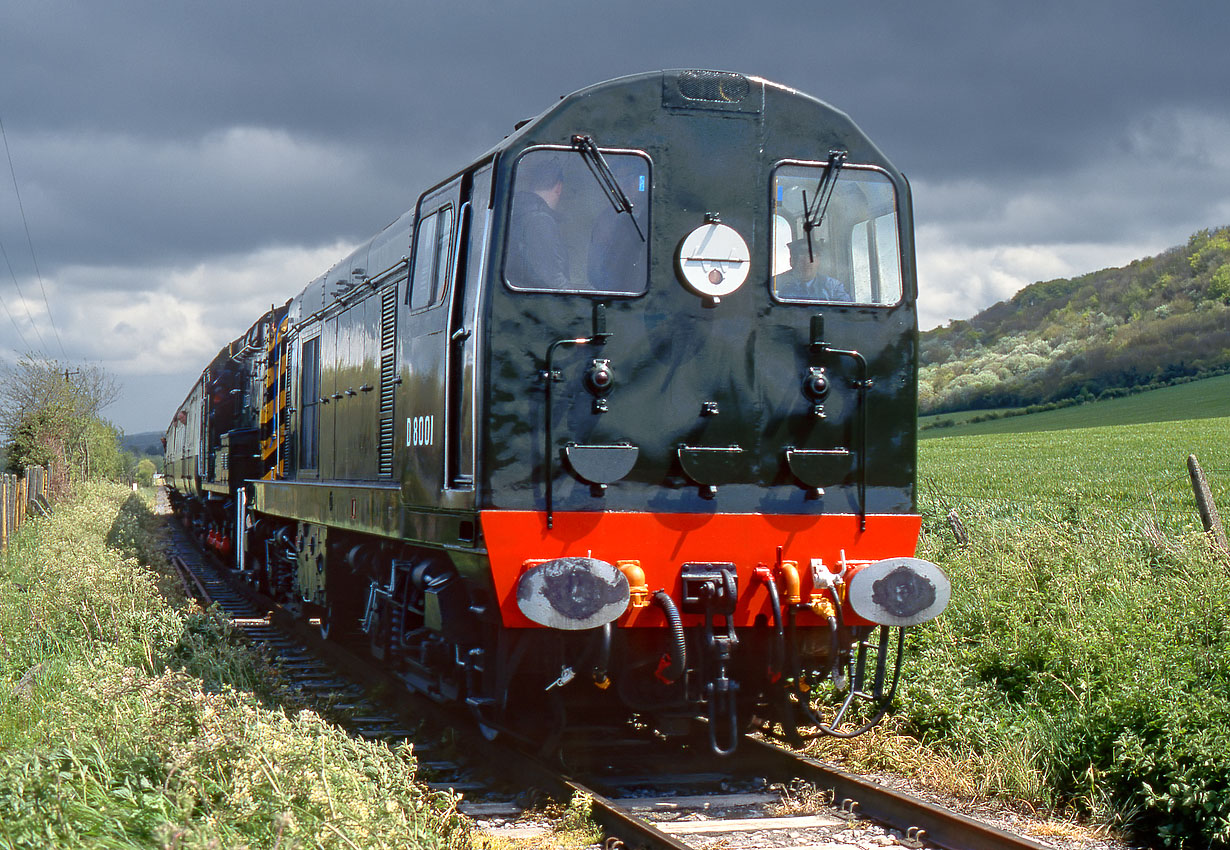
899	592
573	593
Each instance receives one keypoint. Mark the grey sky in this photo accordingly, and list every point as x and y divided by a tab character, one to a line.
184	166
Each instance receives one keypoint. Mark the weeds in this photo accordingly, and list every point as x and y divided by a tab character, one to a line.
575	826
128	721
1084	661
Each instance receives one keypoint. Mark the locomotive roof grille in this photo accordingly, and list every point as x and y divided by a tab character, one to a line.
714	86
721	91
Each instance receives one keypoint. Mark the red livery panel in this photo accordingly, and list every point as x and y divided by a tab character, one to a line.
662	543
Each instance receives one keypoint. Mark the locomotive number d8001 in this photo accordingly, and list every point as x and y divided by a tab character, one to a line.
420	430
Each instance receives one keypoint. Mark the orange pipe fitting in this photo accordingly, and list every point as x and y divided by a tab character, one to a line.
638	589
790	578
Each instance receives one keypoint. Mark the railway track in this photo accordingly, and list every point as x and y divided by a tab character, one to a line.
643	792
762	797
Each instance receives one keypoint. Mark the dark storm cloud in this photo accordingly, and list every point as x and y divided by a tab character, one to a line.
170	152
119	198
389	94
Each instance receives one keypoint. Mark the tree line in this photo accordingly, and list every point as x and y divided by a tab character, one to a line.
51	416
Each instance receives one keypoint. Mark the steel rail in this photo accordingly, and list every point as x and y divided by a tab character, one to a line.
618	822
188	578
615	820
912	816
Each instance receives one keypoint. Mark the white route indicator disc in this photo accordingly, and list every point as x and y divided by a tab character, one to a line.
714	260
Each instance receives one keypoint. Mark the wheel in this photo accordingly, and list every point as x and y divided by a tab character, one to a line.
339	623
343	612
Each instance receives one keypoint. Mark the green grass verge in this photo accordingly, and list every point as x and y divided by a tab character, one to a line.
1084	661
129	721
1204	399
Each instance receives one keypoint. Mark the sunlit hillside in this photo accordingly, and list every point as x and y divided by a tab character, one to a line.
1094	336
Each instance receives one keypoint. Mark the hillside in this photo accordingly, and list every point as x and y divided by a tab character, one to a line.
1098	335
1201	399
145	443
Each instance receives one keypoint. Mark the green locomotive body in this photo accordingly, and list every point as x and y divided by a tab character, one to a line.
628	401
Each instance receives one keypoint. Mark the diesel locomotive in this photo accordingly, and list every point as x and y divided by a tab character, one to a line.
618	421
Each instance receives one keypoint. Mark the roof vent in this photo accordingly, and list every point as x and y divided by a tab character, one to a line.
719	91
714	86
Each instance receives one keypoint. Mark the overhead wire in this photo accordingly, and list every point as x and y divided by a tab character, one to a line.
25	345
30	242
42	346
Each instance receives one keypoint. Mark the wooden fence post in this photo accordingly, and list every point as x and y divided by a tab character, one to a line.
4	512
958	528
1208	508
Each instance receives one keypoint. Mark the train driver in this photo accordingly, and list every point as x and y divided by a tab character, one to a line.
804	280
537	253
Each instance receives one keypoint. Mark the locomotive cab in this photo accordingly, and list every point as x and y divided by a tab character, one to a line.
706	381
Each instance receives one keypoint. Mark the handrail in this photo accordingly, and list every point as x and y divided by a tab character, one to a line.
549	376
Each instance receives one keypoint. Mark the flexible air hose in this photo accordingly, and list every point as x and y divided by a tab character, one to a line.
671	672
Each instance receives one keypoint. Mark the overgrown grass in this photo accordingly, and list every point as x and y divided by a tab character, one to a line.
1084	661
127	721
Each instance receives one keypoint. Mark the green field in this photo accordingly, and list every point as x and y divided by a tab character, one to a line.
1084	661
1138	468
1204	399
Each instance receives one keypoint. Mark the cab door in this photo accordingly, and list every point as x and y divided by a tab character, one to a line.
421	401
464	333
441	339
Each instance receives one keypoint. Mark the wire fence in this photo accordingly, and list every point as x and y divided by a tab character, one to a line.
21	497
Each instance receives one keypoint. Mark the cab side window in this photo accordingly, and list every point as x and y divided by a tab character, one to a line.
433	244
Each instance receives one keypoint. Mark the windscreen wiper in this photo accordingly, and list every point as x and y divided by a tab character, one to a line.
814	214
584	145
